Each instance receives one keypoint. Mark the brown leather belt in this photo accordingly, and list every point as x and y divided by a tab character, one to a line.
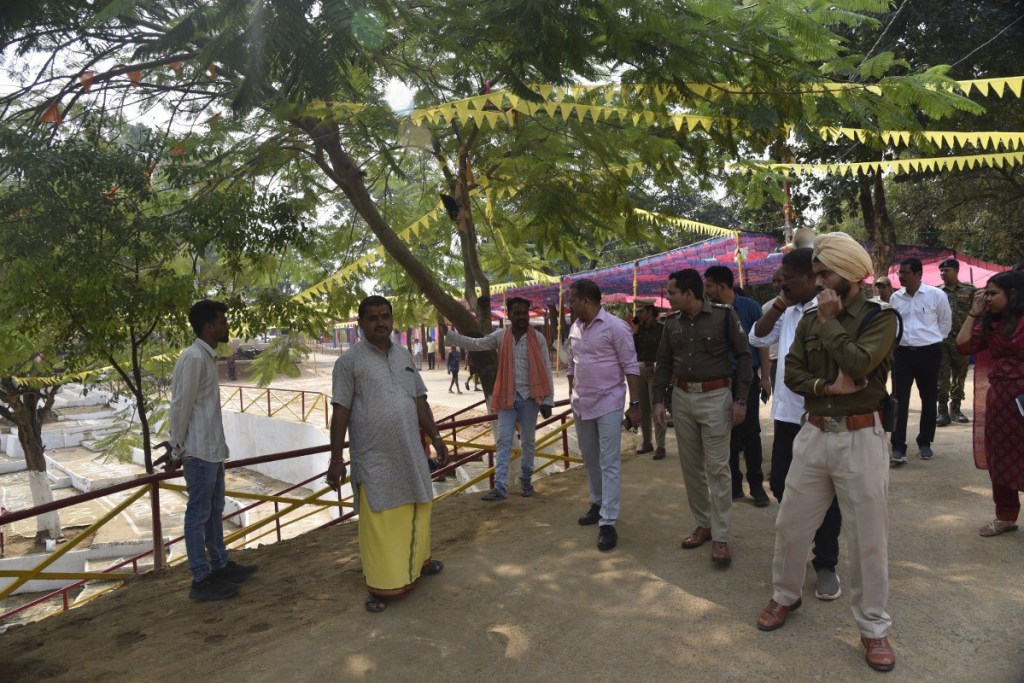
700	387
843	424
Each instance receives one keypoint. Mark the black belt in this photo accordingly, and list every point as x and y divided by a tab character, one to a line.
919	348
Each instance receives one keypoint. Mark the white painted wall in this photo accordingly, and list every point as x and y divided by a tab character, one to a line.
251	435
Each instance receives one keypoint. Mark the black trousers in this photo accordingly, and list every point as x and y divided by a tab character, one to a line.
431	361
826	538
918	364
746	437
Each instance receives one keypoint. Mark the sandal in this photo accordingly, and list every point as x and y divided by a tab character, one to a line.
433	567
375	603
996	527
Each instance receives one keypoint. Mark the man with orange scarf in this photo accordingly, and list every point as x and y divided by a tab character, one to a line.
522	389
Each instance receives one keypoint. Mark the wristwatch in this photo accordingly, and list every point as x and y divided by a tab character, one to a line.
634	404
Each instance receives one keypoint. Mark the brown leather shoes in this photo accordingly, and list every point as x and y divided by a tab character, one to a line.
699	537
878	654
720	552
659	454
774	615
646	448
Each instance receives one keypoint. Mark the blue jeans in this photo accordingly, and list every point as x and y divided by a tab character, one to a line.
524	411
204	512
600	442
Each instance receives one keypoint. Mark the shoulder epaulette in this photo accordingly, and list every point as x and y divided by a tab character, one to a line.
721	305
878	302
811	309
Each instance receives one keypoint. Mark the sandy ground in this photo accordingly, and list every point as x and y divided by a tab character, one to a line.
525	595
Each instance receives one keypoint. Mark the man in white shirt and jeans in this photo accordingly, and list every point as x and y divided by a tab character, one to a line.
197	441
797	293
927	320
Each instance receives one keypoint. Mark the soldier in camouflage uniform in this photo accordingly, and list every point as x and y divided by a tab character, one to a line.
953	369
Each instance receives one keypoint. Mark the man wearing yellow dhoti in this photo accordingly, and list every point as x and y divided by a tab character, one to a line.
380	401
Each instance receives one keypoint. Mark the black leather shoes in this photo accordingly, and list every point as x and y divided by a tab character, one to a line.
607	538
593	516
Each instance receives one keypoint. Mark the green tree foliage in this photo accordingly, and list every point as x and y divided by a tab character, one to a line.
976	211
101	255
26	397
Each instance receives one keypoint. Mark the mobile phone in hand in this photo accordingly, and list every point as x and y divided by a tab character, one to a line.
764	396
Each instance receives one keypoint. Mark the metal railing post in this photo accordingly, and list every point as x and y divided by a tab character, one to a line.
565	444
157	526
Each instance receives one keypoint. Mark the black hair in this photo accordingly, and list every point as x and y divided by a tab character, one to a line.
203	313
720	275
801	260
689	279
914	263
1012	284
516	301
374	301
648	307
587	289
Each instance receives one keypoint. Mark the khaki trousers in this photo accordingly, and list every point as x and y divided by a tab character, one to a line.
853	466
647	401
703	424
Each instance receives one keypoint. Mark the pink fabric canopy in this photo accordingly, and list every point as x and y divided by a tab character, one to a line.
972	271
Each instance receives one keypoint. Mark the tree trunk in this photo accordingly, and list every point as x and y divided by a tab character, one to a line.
28	416
343	171
880	230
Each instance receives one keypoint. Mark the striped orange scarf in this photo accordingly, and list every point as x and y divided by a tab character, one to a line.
504	385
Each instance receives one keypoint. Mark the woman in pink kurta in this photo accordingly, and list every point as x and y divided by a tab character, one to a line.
996	324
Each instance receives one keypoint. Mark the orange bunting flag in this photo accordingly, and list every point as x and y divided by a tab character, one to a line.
86	79
178	150
135	76
109	194
52	114
213	70
176	66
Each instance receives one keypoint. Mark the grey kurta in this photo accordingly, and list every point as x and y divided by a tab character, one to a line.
380	391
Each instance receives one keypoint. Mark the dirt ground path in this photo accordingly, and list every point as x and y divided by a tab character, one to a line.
525	595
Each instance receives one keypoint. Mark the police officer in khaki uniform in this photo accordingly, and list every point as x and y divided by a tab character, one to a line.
953	369
839	364
647	337
695	355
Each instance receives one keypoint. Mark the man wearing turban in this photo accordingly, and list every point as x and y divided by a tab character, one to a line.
839	363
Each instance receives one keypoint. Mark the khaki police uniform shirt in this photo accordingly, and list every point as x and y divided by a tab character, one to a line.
647	340
820	350
960	299
698	349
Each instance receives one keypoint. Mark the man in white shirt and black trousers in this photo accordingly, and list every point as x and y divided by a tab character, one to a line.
927	320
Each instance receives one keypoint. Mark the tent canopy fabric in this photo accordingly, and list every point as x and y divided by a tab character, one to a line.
762	256
973	271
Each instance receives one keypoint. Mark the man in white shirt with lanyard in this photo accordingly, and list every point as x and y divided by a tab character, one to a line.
778	326
927	320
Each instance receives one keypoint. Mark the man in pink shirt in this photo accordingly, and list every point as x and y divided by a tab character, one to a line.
601	354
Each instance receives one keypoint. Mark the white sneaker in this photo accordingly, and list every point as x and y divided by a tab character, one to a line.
828	585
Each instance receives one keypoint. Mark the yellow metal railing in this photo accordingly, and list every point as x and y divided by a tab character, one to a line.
303	406
288	509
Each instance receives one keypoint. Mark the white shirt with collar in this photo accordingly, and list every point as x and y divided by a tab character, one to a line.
926	315
787	406
196	429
